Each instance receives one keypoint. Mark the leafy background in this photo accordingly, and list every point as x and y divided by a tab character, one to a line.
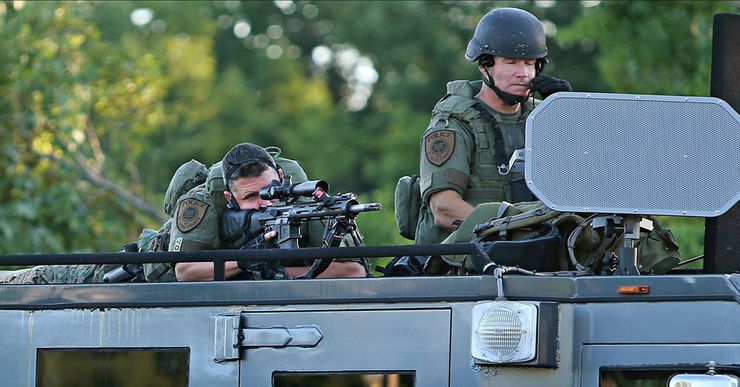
102	101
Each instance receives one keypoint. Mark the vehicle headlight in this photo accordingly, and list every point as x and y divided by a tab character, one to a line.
504	332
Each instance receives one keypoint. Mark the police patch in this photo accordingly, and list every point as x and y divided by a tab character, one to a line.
190	213
439	145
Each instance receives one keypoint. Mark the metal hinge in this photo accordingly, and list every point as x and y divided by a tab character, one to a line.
230	337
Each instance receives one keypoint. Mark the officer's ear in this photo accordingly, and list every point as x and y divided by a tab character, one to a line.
483	70
484	65
281	173
231	201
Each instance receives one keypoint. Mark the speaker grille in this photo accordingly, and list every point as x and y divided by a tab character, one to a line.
618	153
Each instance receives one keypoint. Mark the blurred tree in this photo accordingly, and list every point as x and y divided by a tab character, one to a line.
674	50
106	99
72	104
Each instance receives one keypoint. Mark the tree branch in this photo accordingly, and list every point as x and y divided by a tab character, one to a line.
97	179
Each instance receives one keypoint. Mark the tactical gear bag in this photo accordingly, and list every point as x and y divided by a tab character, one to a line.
534	237
189	175
407	203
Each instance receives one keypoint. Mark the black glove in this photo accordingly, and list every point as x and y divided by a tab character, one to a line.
260	269
258	242
405	266
547	85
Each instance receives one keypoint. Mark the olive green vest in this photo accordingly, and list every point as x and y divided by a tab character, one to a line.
485	184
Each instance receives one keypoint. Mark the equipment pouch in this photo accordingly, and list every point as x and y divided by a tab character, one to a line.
156	241
658	250
407	203
189	175
537	250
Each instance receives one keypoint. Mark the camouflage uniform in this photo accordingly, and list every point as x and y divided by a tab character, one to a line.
59	274
458	153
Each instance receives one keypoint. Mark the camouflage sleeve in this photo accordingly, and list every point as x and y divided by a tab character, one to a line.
446	148
56	274
195	223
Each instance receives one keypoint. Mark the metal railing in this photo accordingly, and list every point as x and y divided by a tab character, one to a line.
220	257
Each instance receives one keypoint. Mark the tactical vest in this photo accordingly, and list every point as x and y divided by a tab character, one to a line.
485	183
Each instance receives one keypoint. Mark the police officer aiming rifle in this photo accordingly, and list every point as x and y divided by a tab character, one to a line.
281	224
246	170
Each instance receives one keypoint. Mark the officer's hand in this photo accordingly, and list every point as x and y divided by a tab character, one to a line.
547	85
262	241
260	269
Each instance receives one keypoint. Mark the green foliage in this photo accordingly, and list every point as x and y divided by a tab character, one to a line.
689	232
71	103
99	112
660	47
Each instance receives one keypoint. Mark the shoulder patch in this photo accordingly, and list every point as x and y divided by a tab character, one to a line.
190	213
439	146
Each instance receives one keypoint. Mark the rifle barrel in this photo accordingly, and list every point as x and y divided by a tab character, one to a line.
365	207
352	210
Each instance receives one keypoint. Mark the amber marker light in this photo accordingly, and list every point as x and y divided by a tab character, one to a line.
633	289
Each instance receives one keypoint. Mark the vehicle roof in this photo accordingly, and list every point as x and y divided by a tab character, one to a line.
369	290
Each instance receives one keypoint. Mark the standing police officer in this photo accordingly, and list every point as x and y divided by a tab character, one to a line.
476	127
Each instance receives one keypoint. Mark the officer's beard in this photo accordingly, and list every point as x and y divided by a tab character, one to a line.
508	98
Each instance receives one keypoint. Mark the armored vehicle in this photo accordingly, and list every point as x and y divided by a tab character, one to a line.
629	156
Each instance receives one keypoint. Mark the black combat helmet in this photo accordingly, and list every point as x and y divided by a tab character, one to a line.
509	32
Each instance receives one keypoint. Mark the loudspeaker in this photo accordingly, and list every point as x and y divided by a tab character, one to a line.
634	154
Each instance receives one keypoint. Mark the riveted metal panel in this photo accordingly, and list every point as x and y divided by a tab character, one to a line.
23	333
677	357
358	341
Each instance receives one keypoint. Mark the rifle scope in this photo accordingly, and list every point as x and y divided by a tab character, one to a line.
278	190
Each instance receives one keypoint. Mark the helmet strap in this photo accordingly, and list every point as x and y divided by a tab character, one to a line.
508	98
539	65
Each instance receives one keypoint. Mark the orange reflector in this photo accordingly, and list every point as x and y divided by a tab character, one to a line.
633	289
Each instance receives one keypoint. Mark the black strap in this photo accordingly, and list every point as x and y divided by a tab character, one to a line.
498	138
317	267
519	190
